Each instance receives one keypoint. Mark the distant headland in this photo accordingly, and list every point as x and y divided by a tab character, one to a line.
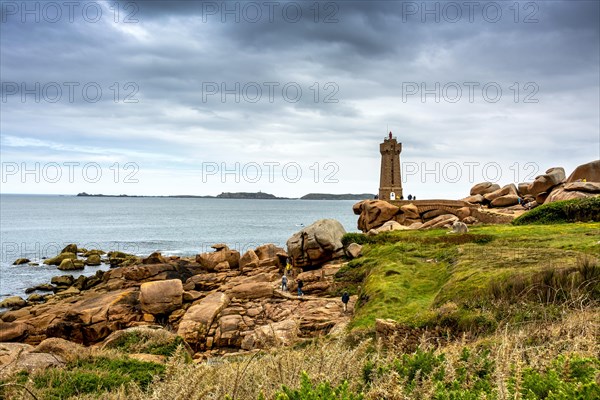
251	196
329	196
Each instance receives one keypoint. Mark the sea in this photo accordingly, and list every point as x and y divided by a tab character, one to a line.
40	226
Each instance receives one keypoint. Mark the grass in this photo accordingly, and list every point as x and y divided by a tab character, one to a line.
549	360
474	281
400	293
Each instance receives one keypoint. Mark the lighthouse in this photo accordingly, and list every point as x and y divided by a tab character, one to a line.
390	184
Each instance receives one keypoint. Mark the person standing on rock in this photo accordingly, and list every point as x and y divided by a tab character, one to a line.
288	267
284	282
345	300
300	286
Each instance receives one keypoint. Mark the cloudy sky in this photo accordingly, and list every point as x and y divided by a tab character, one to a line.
292	97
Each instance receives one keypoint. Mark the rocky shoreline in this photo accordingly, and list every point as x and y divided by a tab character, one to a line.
218	302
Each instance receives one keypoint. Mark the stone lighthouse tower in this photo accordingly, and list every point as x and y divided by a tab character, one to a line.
390	184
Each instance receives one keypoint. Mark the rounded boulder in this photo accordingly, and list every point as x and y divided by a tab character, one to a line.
161	297
317	244
93	259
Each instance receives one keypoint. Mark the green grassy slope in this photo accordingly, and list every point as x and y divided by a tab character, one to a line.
473	281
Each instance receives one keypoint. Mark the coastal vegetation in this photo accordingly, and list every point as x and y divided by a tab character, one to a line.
542	360
91	375
587	209
476	281
502	312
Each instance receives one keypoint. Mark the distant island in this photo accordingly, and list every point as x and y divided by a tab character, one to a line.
251	196
84	194
248	195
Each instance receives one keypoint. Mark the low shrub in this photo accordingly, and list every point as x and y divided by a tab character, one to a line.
354	237
94	375
472	373
320	391
149	342
577	210
566	378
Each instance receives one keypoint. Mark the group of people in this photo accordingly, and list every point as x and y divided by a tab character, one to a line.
524	204
300	285
284	285
410	197
289	272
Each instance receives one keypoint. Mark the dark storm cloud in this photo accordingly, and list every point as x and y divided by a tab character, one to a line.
360	63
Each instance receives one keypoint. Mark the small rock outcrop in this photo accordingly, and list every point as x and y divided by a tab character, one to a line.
463	213
544	183
475	199
387	227
507	190
13	331
560	193
93	260
587	187
13	302
410	211
161	297
252	290
70	248
249	261
505	201
198	318
93	252
60	347
70	265
121	259
18	356
374	213
38	361
221	255
154	258
62	280
317	244
442	221
589	171
60	258
36	298
10	351
484	188
354	250
277	334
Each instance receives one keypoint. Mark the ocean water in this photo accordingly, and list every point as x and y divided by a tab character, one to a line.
37	227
